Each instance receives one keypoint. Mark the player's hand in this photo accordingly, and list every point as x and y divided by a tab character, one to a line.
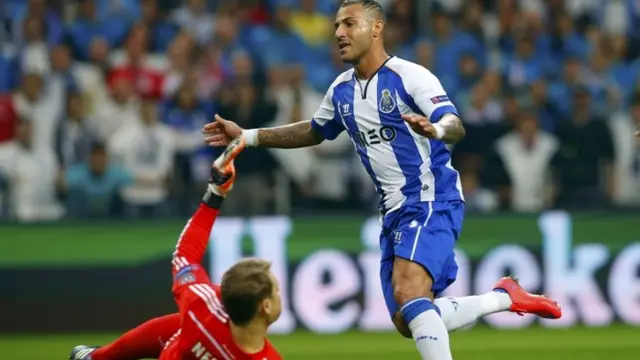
221	132
421	125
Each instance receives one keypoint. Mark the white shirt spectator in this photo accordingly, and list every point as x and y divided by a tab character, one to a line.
627	163
199	24
44	112
146	151
110	116
528	169
31	176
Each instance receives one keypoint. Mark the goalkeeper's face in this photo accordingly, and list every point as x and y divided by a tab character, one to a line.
356	29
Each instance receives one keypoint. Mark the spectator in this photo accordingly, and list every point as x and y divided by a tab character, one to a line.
627	150
92	188
8	118
75	135
38	9
324	73
255	12
34	53
42	106
63	71
469	74
524	67
312	26
278	39
565	40
329	180
196	18
31	175
548	114
622	67
601	83
227	40
139	66
480	114
91	75
180	55
185	115
162	32
518	166
560	91
120	108
584	162
249	108
145	149
209	74
89	26
396	44
449	45
9	69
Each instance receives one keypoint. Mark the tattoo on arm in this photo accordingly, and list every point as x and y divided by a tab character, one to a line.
453	128
289	136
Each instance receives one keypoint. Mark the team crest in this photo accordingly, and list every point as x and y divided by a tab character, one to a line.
387	103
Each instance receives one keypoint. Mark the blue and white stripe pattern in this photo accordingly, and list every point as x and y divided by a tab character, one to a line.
405	167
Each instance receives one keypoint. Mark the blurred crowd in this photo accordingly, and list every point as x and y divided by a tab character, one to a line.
102	102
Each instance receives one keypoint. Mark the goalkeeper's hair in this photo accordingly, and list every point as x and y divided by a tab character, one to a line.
244	286
369	5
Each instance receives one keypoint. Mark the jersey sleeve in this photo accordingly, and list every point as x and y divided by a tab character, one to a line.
325	121
190	281
428	94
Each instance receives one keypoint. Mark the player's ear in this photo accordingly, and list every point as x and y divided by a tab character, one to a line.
267	306
378	27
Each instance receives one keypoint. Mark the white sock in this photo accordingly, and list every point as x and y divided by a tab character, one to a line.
431	336
460	312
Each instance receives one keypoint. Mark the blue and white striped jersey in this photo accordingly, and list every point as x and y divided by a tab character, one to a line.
405	167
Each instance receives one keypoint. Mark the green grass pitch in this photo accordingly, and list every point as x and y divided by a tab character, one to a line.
606	343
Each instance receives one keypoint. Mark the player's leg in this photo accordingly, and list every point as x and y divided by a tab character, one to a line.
424	237
507	295
412	291
143	342
463	311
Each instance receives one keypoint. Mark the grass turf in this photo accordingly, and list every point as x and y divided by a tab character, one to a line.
608	343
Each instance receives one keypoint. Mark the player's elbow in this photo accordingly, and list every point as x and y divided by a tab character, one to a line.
463	131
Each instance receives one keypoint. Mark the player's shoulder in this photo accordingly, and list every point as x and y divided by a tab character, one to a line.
344	77
272	352
408	70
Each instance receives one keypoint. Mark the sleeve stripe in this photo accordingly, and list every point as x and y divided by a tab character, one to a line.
209	302
207	290
179	262
329	130
438	113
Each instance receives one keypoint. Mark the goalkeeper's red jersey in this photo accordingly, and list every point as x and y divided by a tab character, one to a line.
205	333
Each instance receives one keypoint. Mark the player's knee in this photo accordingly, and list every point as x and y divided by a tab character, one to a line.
403	291
410	281
401	325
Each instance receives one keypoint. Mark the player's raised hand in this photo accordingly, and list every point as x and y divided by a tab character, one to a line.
221	132
421	125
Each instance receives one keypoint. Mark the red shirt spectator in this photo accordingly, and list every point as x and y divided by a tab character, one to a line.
8	118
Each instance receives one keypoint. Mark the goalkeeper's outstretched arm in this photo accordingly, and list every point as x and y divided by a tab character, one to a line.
192	244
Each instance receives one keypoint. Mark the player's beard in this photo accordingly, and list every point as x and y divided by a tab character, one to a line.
354	55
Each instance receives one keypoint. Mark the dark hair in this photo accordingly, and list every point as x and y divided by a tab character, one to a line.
244	286
98	147
370	5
